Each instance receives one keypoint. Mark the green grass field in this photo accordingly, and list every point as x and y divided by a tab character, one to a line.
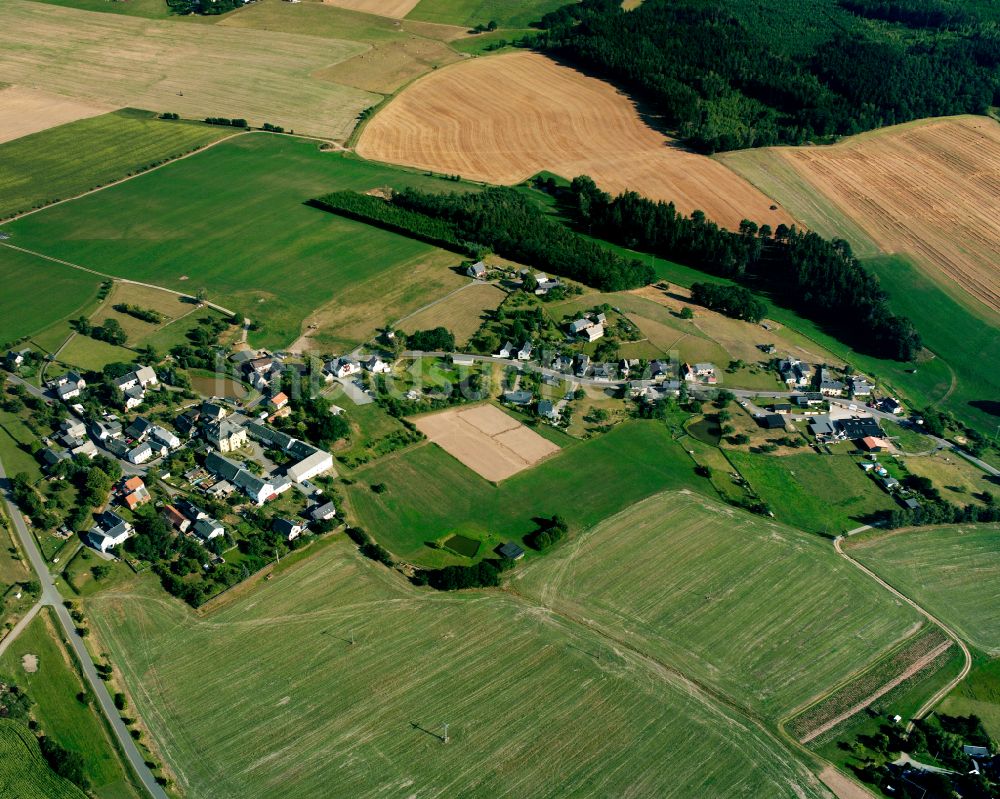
232	220
429	493
73	725
13	432
267	695
506	13
65	161
38	293
821	493
978	694
954	572
150	9
24	774
767	615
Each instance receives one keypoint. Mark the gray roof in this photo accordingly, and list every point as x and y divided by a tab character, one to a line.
511	550
518	397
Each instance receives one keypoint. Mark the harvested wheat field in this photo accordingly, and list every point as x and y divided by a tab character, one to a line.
552	118
24	111
929	189
488	441
384	8
193	70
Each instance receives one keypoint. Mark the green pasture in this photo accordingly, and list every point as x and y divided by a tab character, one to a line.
952	571
38	293
23	771
268	695
429	493
978	694
70	159
73	725
826	494
506	13
233	221
768	615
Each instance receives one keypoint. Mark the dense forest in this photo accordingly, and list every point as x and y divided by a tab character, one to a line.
206	7
819	279
729	74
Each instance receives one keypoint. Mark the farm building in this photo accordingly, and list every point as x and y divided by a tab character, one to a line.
510	550
771	421
310	466
477	271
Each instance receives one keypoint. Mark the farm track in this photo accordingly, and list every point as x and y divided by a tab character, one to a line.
966	667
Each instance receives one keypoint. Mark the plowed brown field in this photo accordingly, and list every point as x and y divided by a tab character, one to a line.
504	118
931	190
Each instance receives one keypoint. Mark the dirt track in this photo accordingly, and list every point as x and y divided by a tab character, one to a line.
553	118
930	189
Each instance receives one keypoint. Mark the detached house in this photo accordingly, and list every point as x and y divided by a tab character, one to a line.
110	531
226	435
477	271
796	373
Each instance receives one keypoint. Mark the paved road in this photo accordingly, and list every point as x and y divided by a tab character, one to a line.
51	597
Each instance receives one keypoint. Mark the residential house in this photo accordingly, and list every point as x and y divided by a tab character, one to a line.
700	373
140	429
226	435
547	410
134	397
771	421
258	489
15	358
187	422
278	401
322	512
872	444
142	377
377	366
524	354
859	427
287	528
477	271
85	448
781	407
110	531
659	370
68	391
52	458
212	412
68	379
343	367
518	397
795	373
506	350
578	326
134	493
260	365
104	431
860	387
823	428
605	372
829	385
163	436
208	528
890	484
116	447
141	454
175	518
563	363
190	510
258	381
73	427
582	365
890	405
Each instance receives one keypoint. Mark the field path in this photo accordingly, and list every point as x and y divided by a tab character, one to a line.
18	628
945	689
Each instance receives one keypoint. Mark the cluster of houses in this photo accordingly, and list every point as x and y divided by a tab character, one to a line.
706	373
346	366
798	374
864	430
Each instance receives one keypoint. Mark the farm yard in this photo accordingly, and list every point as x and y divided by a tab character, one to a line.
430	493
193	70
70	159
484	438
553	118
954	572
926	189
232	221
24	111
766	614
270	691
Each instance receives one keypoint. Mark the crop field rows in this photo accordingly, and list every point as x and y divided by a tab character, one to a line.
269	693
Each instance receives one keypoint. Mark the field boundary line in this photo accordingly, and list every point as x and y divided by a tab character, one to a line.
966	667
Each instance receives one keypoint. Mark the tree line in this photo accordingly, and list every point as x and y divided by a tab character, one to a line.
725	76
820	279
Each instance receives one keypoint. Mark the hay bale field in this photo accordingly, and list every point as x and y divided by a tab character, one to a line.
491	443
193	70
24	111
551	118
267	695
764	613
954	572
929	189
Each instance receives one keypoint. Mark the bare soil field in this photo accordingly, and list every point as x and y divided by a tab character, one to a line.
929	189
193	70
383	8
488	441
553	118
24	111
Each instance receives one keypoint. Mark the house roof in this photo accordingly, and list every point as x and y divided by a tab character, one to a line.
279	398
134	483
173	516
322	511
771	421
510	550
285	526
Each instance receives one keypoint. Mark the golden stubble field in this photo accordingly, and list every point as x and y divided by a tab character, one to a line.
195	70
929	189
24	111
551	118
384	8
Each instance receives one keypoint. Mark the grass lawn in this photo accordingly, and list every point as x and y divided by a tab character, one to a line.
826	494
75	726
430	493
506	13
12	433
232	220
766	614
70	159
267	695
26	775
85	352
38	293
13	571
952	571
978	694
